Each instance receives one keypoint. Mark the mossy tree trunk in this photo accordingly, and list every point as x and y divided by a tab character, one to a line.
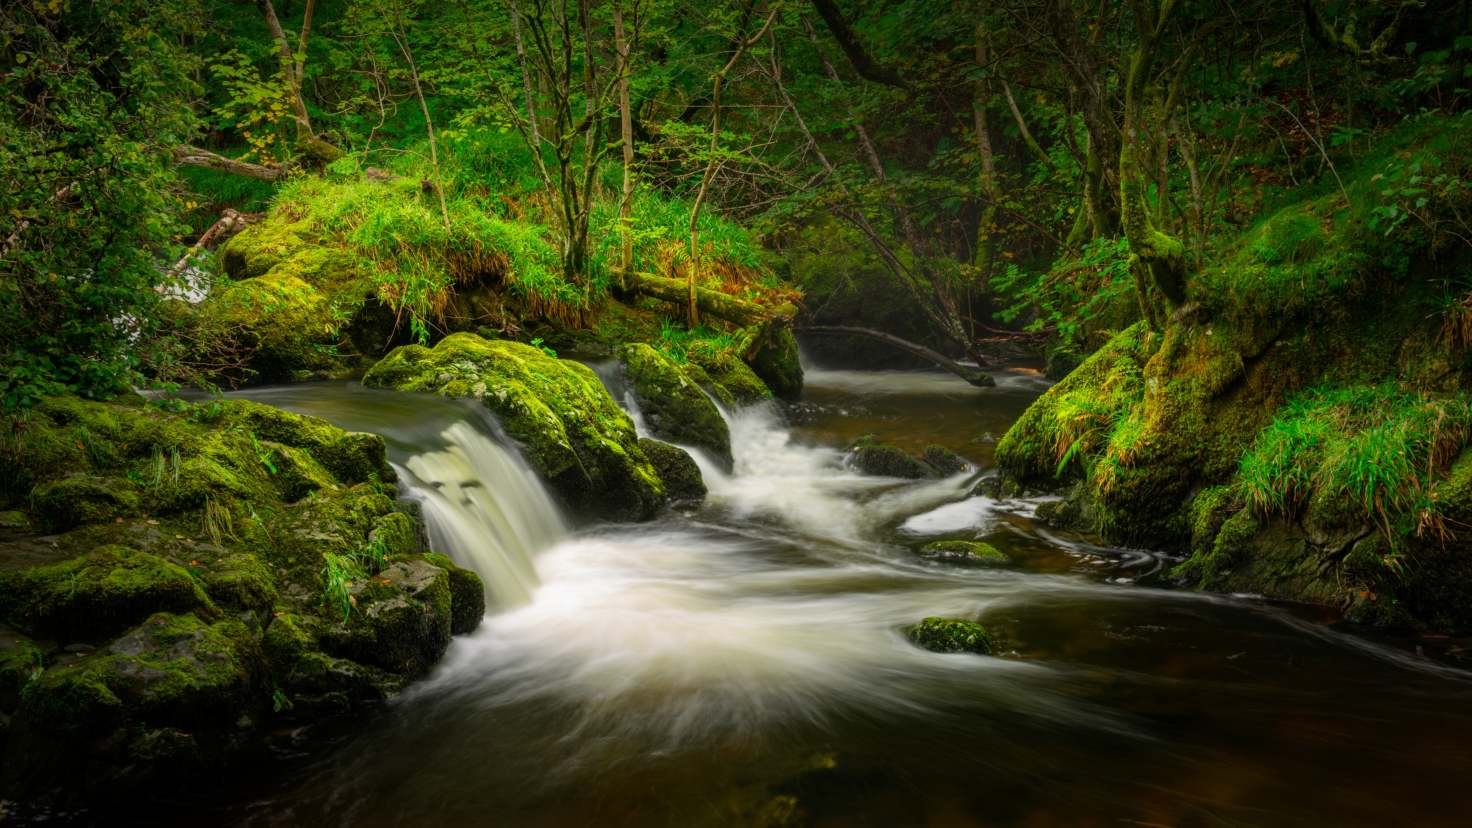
293	64
991	191
1158	259
626	136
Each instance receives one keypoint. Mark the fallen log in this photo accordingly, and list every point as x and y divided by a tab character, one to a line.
710	302
975	376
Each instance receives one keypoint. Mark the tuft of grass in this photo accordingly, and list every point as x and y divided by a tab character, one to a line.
679	342
338	574
217	522
1378	449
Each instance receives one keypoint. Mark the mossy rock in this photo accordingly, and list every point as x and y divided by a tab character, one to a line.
888	461
93	597
403	619
945	461
21	662
950	635
673	405
728	372
467	595
778	364
678	470
84	498
571	430
963	552
168	598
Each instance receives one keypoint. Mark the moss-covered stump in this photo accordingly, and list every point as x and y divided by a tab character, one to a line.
963	552
570	429
888	461
235	567
673	405
678	470
950	635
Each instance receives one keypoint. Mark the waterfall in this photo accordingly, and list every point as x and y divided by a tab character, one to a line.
485	509
483	506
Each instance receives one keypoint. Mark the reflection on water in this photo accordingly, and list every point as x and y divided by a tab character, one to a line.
746	662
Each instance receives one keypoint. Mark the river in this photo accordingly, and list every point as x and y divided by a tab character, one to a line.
743	663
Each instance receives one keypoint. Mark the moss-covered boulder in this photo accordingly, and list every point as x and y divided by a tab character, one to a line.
672	404
950	635
963	552
678	470
888	461
97	595
258	572
777	362
571	430
728	373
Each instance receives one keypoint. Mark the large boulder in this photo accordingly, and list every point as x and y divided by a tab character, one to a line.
678	470
777	362
673	405
570	429
232	569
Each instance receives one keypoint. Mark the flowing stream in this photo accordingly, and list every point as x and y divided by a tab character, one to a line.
743	663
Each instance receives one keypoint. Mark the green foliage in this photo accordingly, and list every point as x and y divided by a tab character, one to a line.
338	574
682	344
1378	449
93	97
415	260
1077	300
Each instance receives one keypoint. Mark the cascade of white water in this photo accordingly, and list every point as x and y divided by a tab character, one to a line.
485	509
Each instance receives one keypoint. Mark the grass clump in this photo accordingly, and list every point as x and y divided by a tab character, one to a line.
1371	452
417	260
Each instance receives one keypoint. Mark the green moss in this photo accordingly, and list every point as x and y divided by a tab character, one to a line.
467	595
678	470
962	551
673	405
93	597
777	363
950	635
728	372
84	498
242	581
21	663
403	620
572	431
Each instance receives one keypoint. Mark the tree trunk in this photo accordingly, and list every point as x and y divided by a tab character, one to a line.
692	306
987	176
626	135
292	65
1159	259
402	39
712	302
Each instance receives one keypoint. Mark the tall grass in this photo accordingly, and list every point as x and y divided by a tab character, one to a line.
1378	448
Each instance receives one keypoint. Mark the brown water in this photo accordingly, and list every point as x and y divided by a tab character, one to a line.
743	665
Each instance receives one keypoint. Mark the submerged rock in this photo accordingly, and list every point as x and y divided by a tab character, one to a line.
674	407
950	635
571	430
888	461
677	469
945	461
250	568
962	551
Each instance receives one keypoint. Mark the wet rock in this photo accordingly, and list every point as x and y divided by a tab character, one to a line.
888	461
84	498
945	461
778	365
94	597
673	405
963	552
572	431
403	620
730	374
467	595
677	469
950	635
